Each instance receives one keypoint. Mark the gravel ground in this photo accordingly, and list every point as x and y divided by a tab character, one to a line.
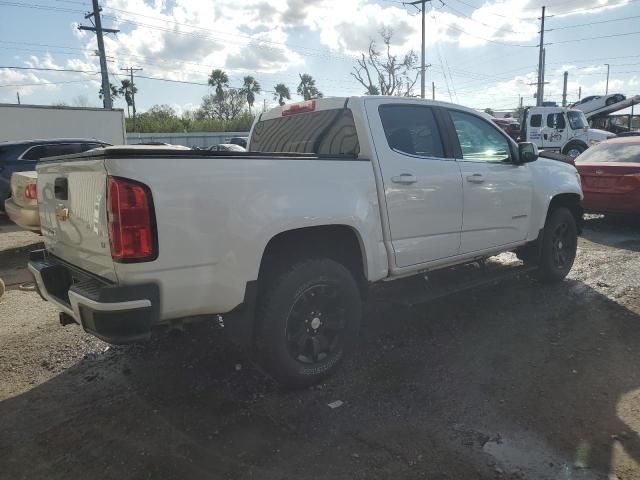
514	381
13	237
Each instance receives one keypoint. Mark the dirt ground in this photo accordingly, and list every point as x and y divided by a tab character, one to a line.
516	381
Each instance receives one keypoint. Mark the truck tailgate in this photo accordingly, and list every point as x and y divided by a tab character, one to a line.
73	216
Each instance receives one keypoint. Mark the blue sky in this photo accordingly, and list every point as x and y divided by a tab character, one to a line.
482	54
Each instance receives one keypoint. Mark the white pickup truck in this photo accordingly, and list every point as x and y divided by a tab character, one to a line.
280	244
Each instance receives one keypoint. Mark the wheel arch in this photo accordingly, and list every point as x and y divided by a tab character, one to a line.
340	242
572	202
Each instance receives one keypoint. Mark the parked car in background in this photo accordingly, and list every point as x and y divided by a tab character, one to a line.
509	125
24	155
589	104
242	141
22	206
610	173
227	147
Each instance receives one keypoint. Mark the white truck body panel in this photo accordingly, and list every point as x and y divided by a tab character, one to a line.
215	215
556	135
25	122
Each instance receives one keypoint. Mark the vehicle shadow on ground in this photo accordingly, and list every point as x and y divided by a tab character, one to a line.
517	380
613	231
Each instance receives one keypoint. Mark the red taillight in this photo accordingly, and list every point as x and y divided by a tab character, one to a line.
302	107
131	221
31	192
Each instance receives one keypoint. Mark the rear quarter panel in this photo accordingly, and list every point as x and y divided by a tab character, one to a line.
215	217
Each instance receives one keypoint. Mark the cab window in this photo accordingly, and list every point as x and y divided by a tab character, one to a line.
556	120
411	129
536	120
479	140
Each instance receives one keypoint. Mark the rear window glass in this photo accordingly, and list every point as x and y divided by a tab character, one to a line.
328	132
612	152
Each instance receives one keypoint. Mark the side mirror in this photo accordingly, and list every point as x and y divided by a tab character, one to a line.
528	152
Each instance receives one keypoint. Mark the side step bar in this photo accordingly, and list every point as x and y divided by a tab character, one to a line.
440	283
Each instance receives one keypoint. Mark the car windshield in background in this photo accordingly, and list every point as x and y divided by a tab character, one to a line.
612	152
327	132
577	120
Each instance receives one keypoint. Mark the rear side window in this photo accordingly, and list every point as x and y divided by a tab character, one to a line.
411	129
54	149
327	132
536	120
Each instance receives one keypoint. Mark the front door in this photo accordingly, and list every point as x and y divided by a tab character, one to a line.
553	131
423	188
497	192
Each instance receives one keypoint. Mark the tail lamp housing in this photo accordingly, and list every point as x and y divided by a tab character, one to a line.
132	225
31	192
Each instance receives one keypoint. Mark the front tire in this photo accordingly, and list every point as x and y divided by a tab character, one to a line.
559	246
308	315
573	150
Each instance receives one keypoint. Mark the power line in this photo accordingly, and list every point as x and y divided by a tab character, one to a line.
593	38
43	84
592	23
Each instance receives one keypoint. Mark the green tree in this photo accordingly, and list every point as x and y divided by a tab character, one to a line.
220	80
307	87
281	93
127	90
114	92
229	107
251	88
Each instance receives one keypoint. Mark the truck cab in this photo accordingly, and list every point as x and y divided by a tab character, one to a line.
561	129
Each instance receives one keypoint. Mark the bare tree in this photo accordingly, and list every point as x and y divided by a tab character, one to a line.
230	106
382	73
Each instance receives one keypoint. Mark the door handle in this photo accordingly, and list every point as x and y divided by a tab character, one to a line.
475	178
405	178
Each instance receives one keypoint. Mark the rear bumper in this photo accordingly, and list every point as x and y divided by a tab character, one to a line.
602	202
25	217
115	314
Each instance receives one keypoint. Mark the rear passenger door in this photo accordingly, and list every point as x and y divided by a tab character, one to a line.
422	187
497	191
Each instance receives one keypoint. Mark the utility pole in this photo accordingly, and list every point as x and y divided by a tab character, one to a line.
18	95
423	66
433	90
606	90
133	92
564	89
540	93
579	93
106	91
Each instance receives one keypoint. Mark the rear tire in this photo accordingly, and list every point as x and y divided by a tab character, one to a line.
559	245
308	315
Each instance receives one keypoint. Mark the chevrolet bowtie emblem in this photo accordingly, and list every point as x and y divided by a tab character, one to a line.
62	213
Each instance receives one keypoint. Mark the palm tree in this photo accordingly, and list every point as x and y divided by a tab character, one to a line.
114	92
307	87
127	90
219	79
251	88
281	92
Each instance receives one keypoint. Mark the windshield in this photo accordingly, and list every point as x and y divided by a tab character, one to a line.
577	120
612	152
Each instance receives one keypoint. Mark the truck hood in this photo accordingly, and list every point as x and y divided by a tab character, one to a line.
600	135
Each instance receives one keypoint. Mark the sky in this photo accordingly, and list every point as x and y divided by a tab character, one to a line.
482	54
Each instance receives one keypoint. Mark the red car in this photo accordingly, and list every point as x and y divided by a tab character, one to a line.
509	125
610	173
